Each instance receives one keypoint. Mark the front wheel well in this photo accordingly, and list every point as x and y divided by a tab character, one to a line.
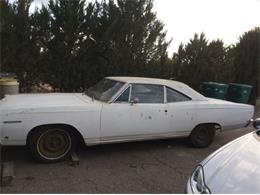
73	129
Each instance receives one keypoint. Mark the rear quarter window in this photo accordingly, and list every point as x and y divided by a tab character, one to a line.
175	96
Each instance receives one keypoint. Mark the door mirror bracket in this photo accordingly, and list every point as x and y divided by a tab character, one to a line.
134	101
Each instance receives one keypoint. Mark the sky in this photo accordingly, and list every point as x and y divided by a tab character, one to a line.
223	19
217	19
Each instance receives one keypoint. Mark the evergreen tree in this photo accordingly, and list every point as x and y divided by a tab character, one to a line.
19	53
200	61
192	58
134	34
66	33
73	44
247	60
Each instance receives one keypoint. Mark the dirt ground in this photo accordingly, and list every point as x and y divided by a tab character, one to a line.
161	166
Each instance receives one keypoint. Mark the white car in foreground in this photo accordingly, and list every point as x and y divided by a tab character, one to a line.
233	169
117	109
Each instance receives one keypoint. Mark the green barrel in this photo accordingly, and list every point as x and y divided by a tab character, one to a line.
214	90
239	93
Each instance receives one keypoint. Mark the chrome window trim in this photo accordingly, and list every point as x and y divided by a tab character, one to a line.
119	93
148	84
177	92
125	87
115	95
164	94
130	93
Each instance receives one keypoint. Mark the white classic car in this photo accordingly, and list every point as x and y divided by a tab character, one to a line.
117	109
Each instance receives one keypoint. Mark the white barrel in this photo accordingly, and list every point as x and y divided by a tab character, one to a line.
8	86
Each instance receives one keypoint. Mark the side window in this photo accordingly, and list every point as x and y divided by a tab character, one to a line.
124	97
146	93
174	96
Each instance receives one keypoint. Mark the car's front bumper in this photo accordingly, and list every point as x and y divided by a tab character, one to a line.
188	189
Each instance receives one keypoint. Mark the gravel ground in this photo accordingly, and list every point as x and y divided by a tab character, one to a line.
161	166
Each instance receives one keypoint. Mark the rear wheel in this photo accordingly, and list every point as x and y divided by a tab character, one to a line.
51	144
202	136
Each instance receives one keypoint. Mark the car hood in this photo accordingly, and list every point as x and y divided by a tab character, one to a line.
46	100
235	168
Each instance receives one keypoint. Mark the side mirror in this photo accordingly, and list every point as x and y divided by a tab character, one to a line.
134	101
256	123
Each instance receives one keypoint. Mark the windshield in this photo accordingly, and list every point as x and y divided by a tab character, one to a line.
104	89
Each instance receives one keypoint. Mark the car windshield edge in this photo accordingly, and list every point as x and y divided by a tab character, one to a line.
104	90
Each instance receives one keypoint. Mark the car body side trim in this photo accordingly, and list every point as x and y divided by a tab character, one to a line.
8	122
133	138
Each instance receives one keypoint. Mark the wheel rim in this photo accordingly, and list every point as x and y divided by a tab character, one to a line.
54	144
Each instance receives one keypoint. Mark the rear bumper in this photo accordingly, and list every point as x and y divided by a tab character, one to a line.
249	122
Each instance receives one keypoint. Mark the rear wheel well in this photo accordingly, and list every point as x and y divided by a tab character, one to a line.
203	134
216	126
73	129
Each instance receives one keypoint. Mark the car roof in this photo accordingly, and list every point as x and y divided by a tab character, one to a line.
179	86
142	80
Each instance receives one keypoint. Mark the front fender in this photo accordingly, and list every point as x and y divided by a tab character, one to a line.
16	127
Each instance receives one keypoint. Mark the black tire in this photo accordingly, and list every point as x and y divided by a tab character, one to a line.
49	144
202	136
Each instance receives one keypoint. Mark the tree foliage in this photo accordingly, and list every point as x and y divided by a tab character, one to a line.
73	44
200	60
18	51
247	60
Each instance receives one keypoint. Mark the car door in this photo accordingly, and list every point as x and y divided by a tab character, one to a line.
139	112
180	108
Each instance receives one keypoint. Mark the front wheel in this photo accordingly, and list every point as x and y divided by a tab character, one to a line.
202	136
52	144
